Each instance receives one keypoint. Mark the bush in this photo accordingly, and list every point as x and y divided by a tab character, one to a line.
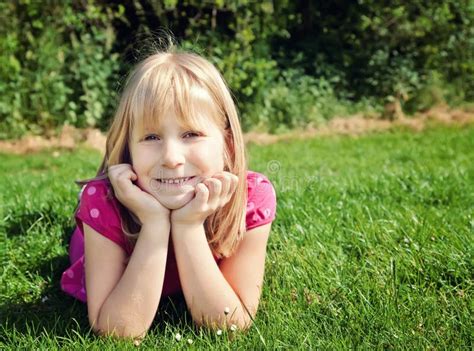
384	51
288	63
294	100
57	66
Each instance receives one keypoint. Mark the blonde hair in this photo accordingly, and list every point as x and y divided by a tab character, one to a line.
164	80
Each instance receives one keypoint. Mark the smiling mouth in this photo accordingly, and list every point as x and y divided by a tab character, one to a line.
175	181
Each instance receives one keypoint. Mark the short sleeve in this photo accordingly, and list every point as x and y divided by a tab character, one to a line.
261	203
98	210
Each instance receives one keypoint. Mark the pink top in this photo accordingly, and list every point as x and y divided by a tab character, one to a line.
101	213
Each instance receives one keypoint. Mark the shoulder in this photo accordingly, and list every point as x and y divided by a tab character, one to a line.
98	208
258	183
97	194
261	200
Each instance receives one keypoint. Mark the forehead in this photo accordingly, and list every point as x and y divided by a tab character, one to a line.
192	108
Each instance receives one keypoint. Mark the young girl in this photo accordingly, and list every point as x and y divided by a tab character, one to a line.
173	208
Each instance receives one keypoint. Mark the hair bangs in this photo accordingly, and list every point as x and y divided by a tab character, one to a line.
196	108
150	100
169	88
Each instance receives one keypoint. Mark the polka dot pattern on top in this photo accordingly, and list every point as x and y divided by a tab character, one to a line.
95	213
101	212
261	202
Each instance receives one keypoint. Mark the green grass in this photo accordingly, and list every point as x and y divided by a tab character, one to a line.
372	248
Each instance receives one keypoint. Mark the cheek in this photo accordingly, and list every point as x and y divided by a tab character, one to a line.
142	160
141	169
141	174
211	162
142	184
212	156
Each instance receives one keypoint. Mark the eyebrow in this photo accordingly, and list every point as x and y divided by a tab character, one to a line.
182	128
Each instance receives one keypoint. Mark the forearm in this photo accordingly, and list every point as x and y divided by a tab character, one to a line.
131	306
205	289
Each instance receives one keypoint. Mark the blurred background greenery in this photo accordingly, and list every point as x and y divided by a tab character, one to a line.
288	63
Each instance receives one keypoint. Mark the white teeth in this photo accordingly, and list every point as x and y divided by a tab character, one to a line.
175	181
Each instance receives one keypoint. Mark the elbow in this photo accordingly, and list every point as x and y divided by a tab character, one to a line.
123	328
120	332
242	326
232	326
238	319
236	323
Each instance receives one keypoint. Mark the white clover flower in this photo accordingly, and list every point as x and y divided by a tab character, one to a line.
219	332
190	341
233	327
227	310
177	337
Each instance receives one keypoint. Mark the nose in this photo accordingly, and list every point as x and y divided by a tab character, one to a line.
173	155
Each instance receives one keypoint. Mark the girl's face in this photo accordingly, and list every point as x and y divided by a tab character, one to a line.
170	160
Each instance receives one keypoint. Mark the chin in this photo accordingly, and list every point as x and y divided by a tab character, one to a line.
175	202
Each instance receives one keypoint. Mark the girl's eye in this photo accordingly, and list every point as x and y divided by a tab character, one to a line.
191	135
151	137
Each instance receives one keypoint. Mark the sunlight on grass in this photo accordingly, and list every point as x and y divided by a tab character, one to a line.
372	247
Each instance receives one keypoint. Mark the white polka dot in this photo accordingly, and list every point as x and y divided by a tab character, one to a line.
91	190
70	274
259	180
255	217
94	213
266	212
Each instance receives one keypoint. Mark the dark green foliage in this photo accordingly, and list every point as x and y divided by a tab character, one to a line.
288	63
56	65
386	48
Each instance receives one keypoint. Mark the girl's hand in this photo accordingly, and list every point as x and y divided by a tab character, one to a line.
211	194
142	204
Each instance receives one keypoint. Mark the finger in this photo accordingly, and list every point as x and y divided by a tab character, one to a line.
116	170
232	185
234	182
125	178
202	194
215	186
128	174
225	179
122	182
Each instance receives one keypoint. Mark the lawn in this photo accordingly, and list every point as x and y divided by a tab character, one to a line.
372	248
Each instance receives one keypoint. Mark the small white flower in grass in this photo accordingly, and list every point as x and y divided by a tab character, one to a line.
177	337
233	328
219	332
190	341
227	310
44	299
